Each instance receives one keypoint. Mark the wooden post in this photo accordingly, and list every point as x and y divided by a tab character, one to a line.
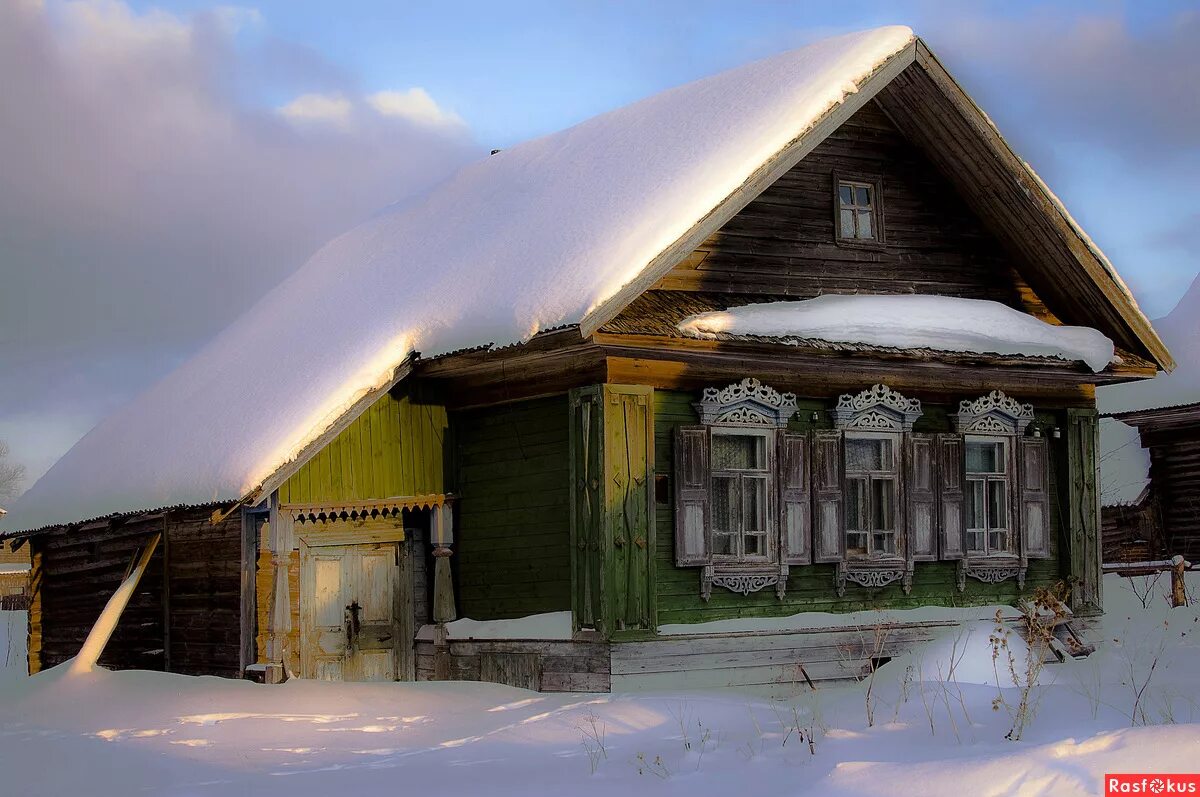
1178	589
444	611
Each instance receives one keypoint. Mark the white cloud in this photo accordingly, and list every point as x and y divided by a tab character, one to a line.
414	105
321	108
145	204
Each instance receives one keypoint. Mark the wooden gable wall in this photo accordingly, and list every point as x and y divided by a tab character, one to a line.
783	244
395	448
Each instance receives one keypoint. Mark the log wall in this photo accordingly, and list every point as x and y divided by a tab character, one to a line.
542	665
184	614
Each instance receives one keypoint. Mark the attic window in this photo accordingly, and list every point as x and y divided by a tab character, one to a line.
858	211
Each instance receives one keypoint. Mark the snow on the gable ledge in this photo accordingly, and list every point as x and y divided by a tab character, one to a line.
942	323
534	237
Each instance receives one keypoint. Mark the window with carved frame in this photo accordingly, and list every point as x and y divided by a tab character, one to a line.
988	482
741	483
872	485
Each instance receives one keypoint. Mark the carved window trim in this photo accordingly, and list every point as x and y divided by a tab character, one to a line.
747	408
994	416
877	412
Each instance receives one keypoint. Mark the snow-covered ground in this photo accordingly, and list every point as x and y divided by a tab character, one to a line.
931	732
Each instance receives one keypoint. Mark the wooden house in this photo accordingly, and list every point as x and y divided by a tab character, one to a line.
1164	518
637	482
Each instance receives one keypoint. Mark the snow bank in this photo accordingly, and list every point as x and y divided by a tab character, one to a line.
552	625
864	619
942	323
1124	464
532	238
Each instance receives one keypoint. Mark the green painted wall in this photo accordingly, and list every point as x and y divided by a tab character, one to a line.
394	448
512	546
811	588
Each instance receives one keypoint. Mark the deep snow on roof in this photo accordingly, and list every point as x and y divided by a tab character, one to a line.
533	237
1124	464
941	323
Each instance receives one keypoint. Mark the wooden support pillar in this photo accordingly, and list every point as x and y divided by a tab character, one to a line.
444	611
1179	566
1081	514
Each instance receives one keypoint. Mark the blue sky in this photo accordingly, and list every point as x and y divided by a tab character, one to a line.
168	162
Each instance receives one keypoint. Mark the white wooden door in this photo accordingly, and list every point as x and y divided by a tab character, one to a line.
354	620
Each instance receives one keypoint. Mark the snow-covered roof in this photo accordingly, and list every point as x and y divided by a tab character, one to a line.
941	323
1124	464
539	235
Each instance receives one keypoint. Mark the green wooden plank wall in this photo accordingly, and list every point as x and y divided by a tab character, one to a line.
394	448
512	546
811	588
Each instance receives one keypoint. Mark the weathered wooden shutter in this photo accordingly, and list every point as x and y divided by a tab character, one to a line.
795	500
693	519
952	535
828	538
1033	472
921	490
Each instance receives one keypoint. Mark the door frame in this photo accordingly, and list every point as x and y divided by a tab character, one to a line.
352	533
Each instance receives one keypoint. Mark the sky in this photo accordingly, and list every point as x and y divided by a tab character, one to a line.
163	164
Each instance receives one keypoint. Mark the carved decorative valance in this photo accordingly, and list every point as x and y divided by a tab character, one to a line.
873	574
879	409
744	579
746	403
994	413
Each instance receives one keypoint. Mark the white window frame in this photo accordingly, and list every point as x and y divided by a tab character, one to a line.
769	476
894	475
1007	477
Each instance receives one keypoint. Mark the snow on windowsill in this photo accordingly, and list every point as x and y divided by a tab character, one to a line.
805	621
942	323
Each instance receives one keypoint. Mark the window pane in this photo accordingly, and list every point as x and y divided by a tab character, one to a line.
723	545
738	452
885	542
754	545
985	457
997	504
865	228
975	541
856	504
883	505
725	504
869	454
846	194
975	516
997	541
862	196
847	230
754	494
856	542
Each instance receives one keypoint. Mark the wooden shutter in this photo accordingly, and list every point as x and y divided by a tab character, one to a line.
1034	508
952	535
828	537
921	491
795	500
693	519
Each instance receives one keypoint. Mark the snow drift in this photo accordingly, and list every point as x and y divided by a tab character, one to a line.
942	323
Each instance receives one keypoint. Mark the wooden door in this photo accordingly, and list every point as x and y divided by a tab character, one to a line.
355	623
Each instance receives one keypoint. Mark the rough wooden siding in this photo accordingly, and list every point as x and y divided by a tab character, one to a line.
558	666
512	553
784	244
1132	533
587	511
184	616
1175	484
203	594
394	448
810	587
